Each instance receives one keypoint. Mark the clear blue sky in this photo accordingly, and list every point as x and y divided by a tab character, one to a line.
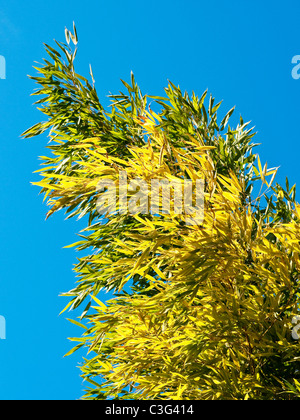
241	51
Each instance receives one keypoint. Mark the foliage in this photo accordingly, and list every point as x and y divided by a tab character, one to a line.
198	311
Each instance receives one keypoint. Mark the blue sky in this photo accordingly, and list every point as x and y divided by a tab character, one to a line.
241	51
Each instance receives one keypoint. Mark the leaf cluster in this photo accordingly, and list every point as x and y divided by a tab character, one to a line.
198	311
